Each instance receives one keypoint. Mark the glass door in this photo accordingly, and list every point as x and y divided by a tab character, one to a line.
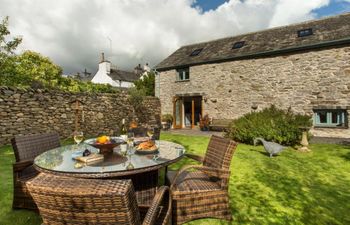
177	112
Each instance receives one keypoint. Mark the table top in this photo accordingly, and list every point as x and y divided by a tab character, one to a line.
59	161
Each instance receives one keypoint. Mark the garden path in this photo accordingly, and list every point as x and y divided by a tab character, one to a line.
193	132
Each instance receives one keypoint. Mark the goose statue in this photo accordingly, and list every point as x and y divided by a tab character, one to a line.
270	147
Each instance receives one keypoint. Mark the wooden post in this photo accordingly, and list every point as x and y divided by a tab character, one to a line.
192	125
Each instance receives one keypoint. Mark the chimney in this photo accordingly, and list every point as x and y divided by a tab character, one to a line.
102	57
146	68
104	65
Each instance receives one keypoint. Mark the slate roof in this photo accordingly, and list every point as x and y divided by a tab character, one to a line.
83	77
330	31
123	75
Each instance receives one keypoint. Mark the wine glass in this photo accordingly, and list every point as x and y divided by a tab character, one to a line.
130	140
78	137
150	133
124	149
130	166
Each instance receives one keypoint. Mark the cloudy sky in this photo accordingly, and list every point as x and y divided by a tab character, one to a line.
73	33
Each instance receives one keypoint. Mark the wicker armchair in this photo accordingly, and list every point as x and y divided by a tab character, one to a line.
66	200
26	148
200	191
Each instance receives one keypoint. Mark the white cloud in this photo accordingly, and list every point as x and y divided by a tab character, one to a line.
74	32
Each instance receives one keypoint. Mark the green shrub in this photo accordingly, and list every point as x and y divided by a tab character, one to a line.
272	124
167	118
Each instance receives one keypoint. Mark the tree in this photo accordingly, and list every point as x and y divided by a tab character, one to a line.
31	69
7	48
146	84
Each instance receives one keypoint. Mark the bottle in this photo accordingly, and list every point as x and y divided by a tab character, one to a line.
123	131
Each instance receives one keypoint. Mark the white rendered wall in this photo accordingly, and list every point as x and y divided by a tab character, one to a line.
126	84
101	76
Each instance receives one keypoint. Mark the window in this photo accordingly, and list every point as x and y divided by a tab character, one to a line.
183	74
196	52
330	118
238	44
305	32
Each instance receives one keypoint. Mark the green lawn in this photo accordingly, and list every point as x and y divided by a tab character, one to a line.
292	188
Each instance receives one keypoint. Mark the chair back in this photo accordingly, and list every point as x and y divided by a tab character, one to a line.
142	132
156	134
219	152
139	131
30	146
65	200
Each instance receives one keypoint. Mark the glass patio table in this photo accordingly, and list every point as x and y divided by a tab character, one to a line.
143	172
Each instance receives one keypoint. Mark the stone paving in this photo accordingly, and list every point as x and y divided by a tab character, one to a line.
193	132
314	140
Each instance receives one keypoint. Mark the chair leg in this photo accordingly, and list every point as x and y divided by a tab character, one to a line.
193	206
21	198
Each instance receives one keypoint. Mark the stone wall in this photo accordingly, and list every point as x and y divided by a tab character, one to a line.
35	111
302	81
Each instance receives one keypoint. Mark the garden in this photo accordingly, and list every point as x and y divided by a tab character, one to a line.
291	188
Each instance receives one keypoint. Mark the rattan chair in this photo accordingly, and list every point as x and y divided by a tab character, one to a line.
67	200
26	148
200	191
142	132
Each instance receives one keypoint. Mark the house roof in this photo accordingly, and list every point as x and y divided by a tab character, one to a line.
330	31
123	75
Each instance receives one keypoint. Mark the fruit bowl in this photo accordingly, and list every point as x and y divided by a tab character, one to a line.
105	144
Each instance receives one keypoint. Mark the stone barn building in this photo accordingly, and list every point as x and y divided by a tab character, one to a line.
303	66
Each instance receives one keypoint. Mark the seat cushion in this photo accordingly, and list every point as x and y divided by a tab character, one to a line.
193	181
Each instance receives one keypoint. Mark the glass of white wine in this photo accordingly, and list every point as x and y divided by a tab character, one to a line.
150	133
78	137
130	141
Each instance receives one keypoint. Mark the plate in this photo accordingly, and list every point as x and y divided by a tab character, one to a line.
79	153
144	152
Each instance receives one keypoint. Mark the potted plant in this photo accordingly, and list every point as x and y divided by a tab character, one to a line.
167	120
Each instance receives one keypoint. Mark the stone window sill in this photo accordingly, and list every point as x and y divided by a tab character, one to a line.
329	127
180	81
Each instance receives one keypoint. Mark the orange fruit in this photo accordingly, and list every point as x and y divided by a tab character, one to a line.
102	140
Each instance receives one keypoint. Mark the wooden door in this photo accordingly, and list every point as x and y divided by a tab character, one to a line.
177	113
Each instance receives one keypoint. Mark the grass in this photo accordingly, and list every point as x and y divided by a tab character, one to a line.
292	188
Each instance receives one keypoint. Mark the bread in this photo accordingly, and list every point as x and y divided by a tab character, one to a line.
147	146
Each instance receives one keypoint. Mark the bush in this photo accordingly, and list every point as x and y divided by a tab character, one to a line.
167	118
136	97
272	124
146	84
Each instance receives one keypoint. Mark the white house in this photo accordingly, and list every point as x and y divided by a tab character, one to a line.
108	74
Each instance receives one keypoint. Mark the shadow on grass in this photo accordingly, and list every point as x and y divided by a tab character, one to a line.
346	156
265	153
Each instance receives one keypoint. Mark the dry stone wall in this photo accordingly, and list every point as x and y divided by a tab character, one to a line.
303	81
35	111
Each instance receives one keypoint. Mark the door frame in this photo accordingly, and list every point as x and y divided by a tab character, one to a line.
181	98
175	99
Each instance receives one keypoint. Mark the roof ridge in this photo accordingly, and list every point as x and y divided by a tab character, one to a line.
270	29
332	29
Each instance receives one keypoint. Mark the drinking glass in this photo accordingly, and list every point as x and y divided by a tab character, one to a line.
78	137
130	140
124	149
150	133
